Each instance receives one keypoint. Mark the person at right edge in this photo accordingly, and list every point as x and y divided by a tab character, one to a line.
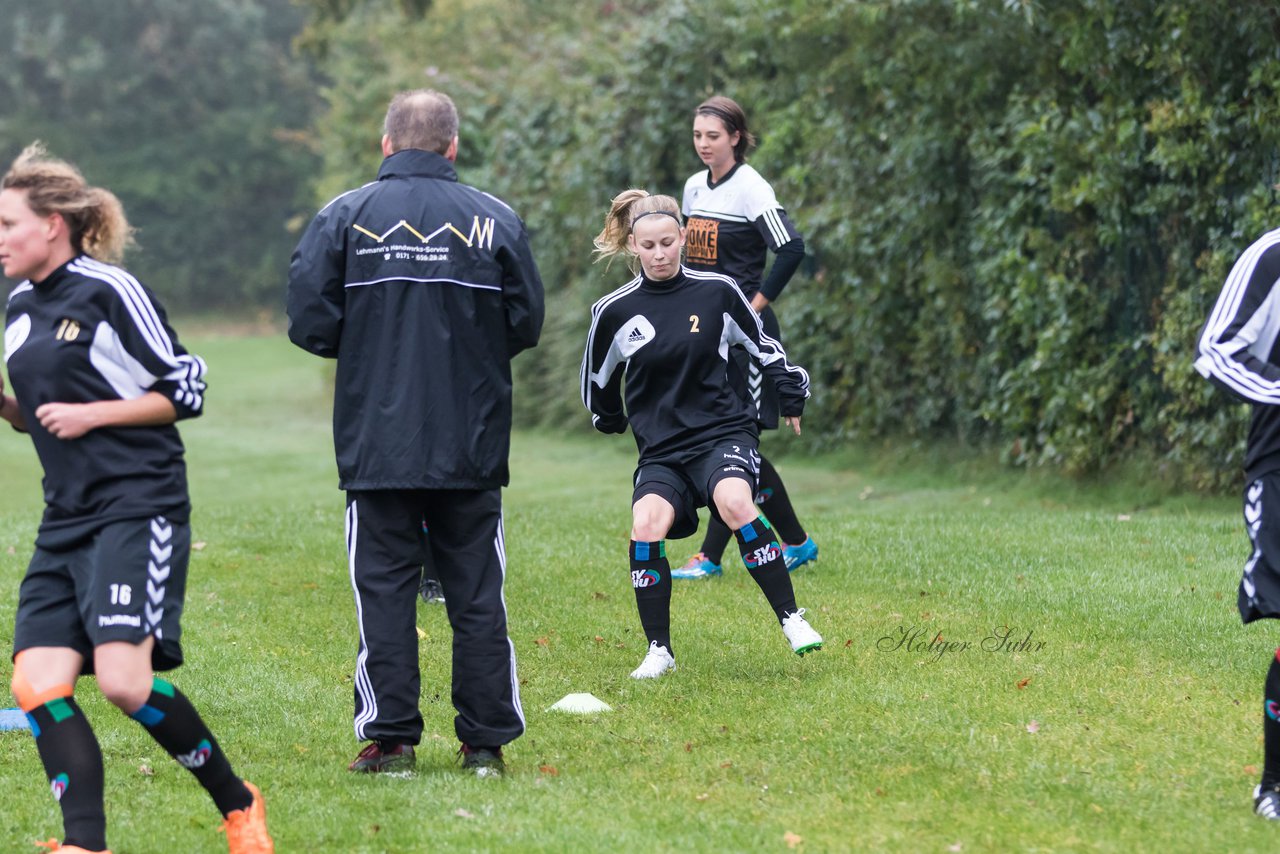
1238	352
733	219
423	289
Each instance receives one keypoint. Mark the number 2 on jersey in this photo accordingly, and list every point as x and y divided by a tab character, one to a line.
693	320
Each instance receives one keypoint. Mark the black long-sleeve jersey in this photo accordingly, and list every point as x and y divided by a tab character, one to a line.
1239	347
733	223
92	332
671	340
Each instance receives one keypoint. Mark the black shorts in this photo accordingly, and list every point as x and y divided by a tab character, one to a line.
1259	596
125	583
689	484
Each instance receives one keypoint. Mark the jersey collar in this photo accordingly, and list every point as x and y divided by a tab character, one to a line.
711	185
665	285
59	273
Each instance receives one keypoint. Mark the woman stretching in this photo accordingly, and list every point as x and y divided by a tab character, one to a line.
669	331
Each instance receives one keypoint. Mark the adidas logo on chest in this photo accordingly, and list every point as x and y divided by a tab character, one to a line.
634	334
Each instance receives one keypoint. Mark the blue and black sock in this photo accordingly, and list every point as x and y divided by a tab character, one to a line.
762	555
73	762
783	516
1271	726
174	723
651	578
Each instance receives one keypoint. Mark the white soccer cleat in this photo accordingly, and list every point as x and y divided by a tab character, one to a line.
801	635
657	661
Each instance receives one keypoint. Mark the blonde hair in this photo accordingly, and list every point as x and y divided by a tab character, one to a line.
627	207
95	218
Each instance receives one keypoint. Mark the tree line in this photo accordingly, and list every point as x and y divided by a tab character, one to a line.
1018	214
197	115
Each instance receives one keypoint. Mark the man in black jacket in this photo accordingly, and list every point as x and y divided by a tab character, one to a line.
423	289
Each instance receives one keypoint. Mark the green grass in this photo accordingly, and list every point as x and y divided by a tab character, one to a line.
1145	696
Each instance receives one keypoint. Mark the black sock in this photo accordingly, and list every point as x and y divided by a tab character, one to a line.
1271	726
762	555
176	726
779	510
651	578
715	540
73	761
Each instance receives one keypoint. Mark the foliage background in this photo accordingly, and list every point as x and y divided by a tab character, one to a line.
194	114
1018	213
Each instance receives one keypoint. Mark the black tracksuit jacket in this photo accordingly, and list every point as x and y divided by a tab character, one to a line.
423	289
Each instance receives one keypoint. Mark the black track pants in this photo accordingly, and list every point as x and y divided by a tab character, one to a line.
385	555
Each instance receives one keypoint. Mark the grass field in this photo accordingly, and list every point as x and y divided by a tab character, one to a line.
1130	720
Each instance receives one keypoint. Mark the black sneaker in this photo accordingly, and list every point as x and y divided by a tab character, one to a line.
431	592
381	756
1267	803
482	761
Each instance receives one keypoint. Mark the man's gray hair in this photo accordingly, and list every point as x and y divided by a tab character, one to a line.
421	118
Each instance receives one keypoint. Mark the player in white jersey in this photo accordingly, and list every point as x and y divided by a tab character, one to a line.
734	221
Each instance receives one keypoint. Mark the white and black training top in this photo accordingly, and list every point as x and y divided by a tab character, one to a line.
1238	348
671	340
90	332
732	223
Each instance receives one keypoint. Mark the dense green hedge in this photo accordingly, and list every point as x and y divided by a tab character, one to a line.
1018	214
192	113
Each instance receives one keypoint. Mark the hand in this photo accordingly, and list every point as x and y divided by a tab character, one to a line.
793	421
611	425
67	420
759	302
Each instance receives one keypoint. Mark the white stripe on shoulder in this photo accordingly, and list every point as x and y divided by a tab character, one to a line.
344	195
1218	357
495	198
135	299
22	288
1237	283
708	276
612	296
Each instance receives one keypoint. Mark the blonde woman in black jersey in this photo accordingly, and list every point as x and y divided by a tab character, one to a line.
669	331
99	379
